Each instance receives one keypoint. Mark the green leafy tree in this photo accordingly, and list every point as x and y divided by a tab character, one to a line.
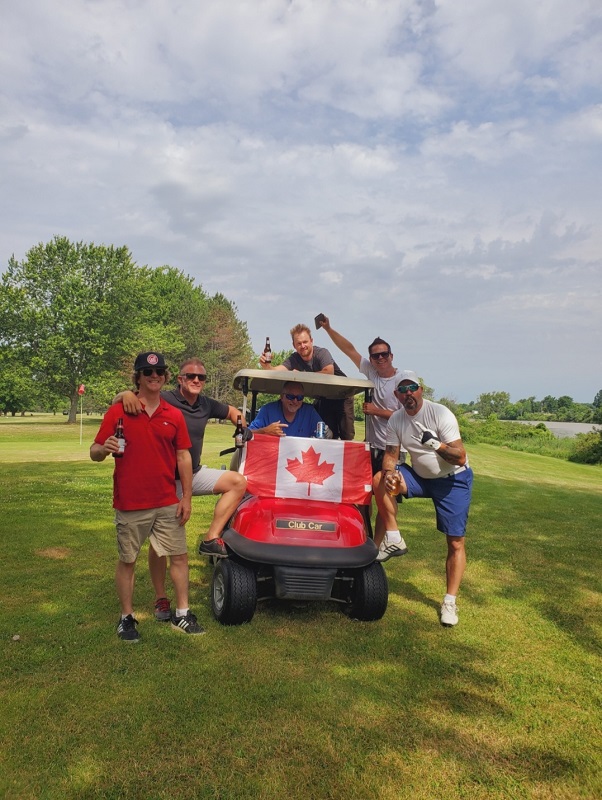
18	390
71	311
427	391
180	313
549	404
453	405
565	401
597	410
227	350
492	403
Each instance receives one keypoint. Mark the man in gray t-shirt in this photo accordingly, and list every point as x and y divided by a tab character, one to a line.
337	414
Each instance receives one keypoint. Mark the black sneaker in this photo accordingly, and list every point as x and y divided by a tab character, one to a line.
188	624
163	610
213	547
126	629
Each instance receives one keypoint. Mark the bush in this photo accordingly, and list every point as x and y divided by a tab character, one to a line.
588	448
515	436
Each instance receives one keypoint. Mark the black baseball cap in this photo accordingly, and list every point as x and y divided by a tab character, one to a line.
151	359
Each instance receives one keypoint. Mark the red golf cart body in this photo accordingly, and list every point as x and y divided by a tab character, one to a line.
303	530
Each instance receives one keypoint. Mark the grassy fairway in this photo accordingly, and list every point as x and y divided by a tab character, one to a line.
303	703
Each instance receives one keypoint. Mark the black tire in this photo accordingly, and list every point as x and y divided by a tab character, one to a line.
233	592
370	593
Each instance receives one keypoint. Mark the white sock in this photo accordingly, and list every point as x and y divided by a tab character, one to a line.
181	612
393	537
450	598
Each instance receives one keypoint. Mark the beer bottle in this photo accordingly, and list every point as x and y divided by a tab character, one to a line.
267	351
238	433
120	437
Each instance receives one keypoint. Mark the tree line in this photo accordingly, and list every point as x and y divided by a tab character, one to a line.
553	409
76	313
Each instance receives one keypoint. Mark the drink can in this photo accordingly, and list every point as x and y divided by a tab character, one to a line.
321	430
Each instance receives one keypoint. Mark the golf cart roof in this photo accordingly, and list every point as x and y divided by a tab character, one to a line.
315	384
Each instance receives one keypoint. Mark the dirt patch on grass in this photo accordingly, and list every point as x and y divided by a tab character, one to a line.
58	553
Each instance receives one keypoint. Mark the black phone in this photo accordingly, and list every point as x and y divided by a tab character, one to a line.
317	320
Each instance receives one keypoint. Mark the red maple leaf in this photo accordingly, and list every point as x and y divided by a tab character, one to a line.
308	470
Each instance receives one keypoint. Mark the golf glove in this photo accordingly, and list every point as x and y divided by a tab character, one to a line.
429	439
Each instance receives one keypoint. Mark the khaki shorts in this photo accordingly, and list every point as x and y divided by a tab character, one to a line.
159	525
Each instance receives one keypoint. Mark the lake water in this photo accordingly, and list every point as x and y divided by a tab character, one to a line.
564	430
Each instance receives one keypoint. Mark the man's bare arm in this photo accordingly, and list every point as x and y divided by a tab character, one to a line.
131	403
234	414
184	462
453	452
343	344
267	365
390	457
98	452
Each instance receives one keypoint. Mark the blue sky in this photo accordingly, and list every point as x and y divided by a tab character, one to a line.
428	172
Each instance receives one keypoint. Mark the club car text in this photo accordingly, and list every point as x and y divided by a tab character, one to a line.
305	525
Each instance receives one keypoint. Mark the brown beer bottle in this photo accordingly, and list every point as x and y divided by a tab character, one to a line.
238	433
267	351
121	438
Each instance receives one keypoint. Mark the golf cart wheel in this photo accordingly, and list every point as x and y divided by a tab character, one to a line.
233	592
370	593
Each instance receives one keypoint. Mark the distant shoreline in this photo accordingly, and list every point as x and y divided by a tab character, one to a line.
563	430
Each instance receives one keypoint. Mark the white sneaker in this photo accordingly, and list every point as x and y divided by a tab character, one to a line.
388	550
449	614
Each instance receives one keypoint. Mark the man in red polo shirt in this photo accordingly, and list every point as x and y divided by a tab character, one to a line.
144	490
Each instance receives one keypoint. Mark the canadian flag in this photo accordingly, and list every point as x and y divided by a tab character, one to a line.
314	469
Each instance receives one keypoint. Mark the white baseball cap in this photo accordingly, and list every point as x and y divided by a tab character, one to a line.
407	375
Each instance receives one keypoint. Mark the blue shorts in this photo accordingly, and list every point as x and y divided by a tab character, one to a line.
450	495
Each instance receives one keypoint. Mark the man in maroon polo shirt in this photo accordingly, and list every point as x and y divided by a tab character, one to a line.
144	490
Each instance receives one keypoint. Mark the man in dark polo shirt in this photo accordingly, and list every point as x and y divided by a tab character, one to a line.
197	409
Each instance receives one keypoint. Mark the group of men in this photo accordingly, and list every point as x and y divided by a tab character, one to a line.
164	431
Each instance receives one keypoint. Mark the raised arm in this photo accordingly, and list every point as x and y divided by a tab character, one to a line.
343	344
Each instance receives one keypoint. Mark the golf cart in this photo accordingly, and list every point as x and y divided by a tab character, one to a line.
302	531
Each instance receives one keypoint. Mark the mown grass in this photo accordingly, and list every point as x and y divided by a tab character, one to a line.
303	702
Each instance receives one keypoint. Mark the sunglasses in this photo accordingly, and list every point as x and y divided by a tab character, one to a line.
190	376
377	356
411	387
299	397
159	371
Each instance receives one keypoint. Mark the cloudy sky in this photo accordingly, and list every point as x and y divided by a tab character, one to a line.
428	171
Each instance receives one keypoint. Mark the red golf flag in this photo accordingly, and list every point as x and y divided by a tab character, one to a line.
81	389
314	469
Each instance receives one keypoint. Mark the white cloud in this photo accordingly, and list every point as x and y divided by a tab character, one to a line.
425	171
332	277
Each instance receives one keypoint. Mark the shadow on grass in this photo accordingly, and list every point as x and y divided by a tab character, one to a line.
303	702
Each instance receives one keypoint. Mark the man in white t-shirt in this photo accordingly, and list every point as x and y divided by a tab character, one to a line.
380	370
439	469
